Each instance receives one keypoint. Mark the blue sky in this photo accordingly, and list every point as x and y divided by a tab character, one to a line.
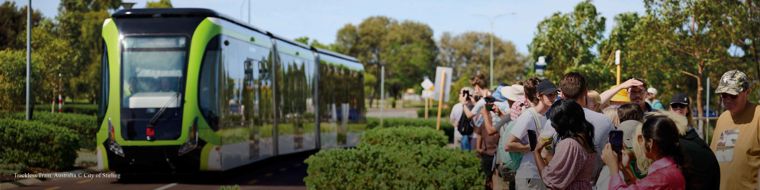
321	19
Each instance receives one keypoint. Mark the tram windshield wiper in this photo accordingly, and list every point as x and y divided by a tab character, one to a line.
161	111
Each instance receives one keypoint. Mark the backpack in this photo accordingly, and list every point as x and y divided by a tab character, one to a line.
465	125
508	162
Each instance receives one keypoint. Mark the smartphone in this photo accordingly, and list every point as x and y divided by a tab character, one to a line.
466	93
489	103
616	140
532	138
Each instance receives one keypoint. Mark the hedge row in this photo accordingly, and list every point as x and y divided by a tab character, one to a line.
85	126
403	136
447	128
87	109
433	112
417	164
37	144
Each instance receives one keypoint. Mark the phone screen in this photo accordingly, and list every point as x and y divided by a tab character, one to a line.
616	140
533	139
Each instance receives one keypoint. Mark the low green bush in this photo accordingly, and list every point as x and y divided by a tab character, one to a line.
433	112
86	126
37	144
446	127
87	109
403	136
395	158
394	167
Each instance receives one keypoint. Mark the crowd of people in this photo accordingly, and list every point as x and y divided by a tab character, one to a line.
537	135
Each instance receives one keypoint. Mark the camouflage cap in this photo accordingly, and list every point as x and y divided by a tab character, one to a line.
733	82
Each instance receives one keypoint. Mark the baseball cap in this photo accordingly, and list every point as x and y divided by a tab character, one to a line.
652	91
732	82
546	87
513	92
680	98
629	131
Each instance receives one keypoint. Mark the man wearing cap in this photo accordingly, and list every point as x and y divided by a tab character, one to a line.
636	93
736	140
574	87
534	119
652	99
680	104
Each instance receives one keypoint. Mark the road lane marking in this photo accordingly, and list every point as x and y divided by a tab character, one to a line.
252	182
84	181
269	174
166	186
53	188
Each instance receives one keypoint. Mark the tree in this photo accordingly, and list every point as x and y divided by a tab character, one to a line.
409	55
407	50
315	43
566	39
80	23
700	33
13	25
468	53
159	4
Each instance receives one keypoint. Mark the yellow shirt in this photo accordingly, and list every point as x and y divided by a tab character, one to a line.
736	144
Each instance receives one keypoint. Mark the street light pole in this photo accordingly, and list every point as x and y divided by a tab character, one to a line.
490	55
28	59
382	93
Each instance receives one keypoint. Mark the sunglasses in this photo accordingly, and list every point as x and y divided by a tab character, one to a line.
678	106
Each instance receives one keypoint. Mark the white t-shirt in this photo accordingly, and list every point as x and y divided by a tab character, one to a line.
456	113
602	127
478	121
524	123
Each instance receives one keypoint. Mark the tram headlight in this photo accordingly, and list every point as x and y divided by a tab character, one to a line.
192	139
112	145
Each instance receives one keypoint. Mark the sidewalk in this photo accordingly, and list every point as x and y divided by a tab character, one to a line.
393	112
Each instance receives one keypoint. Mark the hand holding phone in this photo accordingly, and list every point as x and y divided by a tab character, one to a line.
616	140
533	138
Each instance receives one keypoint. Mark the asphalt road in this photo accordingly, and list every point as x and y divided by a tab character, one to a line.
284	172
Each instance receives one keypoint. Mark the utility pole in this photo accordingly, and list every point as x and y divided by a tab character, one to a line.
28	59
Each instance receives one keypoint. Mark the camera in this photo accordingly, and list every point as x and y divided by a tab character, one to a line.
489	103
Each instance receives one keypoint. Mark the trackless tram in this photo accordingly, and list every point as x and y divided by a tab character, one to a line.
187	90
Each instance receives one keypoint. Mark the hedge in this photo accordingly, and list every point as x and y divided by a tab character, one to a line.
87	109
86	126
433	112
37	144
403	136
447	128
385	165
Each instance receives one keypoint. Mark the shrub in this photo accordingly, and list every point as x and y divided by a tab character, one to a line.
86	126
403	136
395	158
433	113
447	128
393	167
86	109
37	144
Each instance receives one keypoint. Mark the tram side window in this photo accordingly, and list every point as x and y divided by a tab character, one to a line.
104	87
208	91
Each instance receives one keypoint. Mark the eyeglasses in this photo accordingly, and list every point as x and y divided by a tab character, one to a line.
678	106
